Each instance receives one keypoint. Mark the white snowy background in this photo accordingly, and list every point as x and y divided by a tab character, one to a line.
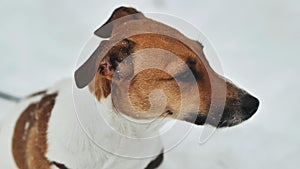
257	42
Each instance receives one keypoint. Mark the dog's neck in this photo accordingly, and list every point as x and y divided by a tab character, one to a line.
130	135
125	125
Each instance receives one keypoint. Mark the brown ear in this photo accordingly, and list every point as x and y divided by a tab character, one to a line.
86	72
105	62
117	59
106	29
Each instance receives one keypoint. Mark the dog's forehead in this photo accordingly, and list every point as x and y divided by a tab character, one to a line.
148	26
141	26
145	31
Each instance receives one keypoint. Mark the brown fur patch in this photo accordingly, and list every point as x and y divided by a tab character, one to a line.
30	135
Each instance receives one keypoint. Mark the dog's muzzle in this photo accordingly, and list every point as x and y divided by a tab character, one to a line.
233	114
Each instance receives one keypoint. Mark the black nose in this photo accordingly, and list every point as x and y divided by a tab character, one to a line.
250	104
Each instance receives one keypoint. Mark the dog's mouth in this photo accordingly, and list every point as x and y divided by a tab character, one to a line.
202	119
227	119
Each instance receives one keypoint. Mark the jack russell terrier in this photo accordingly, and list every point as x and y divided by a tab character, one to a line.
43	132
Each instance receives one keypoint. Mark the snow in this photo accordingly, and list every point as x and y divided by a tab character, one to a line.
256	41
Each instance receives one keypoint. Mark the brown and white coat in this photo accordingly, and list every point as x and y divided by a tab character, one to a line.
43	131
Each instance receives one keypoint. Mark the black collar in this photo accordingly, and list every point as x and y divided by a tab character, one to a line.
59	165
152	165
156	162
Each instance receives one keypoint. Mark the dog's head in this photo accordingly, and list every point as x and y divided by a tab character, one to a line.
118	59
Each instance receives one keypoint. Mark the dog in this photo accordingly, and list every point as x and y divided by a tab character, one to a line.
43	131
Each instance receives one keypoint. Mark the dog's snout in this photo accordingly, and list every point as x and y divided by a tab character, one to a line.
250	104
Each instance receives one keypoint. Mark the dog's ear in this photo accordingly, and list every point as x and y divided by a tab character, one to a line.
106	63
86	72
117	59
106	29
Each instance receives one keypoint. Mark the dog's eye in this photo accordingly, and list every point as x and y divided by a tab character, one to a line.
186	76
